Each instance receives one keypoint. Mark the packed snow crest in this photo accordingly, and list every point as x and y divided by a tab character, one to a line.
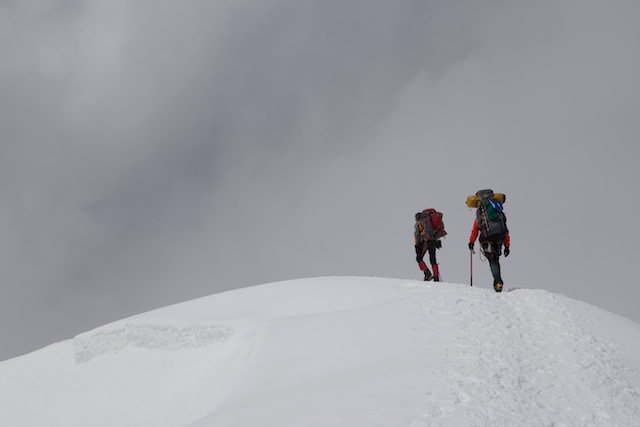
339	351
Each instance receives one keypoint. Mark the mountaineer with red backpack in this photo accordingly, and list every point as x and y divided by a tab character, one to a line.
429	228
491	225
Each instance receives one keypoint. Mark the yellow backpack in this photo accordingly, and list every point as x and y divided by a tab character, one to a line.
472	201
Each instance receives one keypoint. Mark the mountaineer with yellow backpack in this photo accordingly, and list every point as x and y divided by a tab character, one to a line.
491	226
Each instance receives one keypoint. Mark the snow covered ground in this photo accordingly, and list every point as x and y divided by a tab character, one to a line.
339	351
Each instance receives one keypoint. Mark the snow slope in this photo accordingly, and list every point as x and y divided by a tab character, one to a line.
339	351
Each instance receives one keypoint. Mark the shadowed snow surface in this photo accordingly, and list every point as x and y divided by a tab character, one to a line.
339	351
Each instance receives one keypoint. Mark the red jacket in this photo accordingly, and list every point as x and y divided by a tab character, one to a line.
475	231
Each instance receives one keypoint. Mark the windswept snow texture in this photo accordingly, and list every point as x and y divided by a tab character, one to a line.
339	351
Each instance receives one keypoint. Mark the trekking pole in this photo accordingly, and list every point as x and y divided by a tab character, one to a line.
471	252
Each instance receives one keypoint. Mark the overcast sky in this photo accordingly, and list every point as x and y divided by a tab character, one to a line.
156	151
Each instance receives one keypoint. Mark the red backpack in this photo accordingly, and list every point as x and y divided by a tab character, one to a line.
435	219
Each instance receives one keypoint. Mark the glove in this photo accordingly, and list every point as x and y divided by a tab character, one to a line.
506	251
471	246
438	244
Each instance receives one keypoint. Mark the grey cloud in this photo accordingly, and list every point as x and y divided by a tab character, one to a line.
153	152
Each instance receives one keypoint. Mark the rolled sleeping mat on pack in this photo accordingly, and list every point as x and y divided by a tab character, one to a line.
472	201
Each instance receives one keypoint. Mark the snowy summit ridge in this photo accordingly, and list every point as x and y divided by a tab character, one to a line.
339	351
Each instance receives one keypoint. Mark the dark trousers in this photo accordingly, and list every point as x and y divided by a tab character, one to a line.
431	248
492	251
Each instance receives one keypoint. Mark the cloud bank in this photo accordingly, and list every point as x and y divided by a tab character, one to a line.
165	151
